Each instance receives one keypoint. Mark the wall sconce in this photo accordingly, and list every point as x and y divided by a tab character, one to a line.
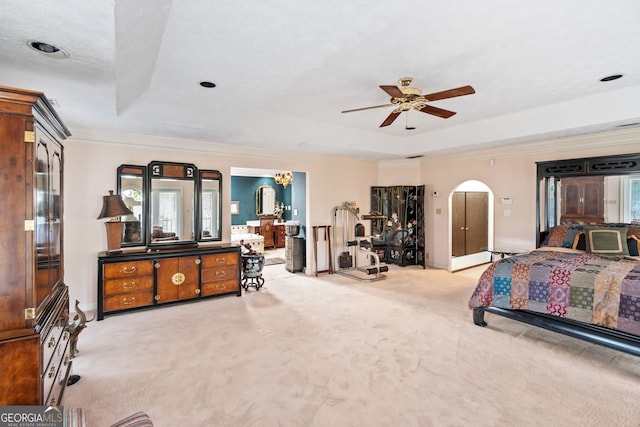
113	207
284	178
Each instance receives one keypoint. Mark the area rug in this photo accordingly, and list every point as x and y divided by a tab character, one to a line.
273	261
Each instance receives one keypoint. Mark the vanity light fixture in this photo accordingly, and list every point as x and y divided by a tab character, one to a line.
284	178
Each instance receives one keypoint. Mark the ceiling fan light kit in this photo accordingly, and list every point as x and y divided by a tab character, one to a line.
405	98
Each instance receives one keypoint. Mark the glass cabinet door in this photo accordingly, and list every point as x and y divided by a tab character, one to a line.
48	218
55	219
41	222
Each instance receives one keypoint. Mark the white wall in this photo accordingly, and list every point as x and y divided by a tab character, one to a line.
512	173
90	171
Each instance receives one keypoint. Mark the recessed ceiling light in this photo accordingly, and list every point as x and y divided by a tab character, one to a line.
611	77
207	84
47	49
628	125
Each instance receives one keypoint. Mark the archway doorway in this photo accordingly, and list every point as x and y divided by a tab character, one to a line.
470	225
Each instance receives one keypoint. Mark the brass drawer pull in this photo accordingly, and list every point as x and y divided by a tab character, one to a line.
128	285
125	301
221	273
129	269
221	260
220	287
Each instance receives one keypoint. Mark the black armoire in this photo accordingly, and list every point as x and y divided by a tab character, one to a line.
398	227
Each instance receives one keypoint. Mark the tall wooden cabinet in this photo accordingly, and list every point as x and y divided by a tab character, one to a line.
582	200
34	301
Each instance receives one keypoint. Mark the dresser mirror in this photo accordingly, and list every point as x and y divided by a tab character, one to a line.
210	205
265	200
172	200
130	186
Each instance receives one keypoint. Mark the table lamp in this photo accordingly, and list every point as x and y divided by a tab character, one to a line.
113	207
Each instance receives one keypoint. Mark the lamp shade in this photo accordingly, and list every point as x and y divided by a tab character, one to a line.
113	206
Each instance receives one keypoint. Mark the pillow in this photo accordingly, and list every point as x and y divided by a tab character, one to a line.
580	241
632	244
563	236
607	240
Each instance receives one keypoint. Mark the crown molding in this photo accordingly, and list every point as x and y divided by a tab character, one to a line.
134	140
617	138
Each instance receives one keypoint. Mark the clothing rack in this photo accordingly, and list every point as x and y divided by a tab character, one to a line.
327	237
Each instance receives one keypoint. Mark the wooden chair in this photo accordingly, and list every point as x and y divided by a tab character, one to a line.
267	230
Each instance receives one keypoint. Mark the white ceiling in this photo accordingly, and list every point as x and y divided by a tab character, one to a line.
286	69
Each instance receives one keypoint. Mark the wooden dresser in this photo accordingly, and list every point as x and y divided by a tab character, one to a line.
34	301
279	233
143	279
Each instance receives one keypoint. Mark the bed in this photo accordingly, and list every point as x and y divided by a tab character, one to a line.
583	280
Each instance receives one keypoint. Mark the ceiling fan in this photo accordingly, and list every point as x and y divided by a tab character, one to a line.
405	98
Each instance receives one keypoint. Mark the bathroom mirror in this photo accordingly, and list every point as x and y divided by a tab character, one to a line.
172	200
210	203
130	186
265	200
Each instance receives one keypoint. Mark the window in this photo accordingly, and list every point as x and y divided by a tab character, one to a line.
634	199
169	209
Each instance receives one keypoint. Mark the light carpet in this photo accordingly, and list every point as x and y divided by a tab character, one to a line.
332	351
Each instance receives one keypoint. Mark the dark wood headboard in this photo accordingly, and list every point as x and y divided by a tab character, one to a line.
549	173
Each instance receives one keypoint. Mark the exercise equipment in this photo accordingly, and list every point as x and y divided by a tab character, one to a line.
350	243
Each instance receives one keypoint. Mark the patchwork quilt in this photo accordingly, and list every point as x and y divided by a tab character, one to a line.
590	288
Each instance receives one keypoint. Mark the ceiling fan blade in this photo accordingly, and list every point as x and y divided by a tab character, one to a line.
393	91
390	118
367	108
451	93
440	112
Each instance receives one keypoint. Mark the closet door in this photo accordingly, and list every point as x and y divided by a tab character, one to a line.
458	223
470	218
477	219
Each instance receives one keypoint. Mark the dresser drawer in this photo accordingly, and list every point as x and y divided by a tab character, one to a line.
128	300
128	269
54	383
127	284
219	287
217	260
55	371
219	273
